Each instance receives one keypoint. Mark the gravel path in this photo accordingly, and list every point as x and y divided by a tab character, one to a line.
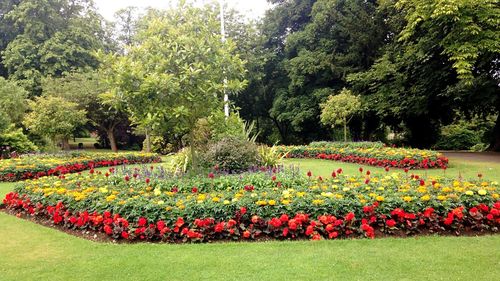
474	156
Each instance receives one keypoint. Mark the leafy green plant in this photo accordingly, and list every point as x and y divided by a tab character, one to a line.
181	161
270	156
231	154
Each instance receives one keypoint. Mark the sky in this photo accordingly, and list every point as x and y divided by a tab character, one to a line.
251	8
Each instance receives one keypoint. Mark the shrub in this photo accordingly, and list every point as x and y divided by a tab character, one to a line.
16	141
181	161
457	137
231	154
270	156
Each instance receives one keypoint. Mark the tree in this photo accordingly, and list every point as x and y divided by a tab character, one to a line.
12	101
49	38
440	61
339	109
85	89
174	75
55	118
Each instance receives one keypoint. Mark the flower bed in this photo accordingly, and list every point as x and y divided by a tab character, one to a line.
374	154
137	205
39	165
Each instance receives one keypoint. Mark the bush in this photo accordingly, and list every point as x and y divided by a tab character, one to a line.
160	145
16	141
457	137
270	156
231	154
181	161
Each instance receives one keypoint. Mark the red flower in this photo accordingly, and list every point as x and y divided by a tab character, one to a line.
179	222
275	222
349	217
219	227
284	218
243	210
333	234
246	234
211	175
108	230
160	225
309	230
127	178
339	171
316	237
428	212
142	221
231	223
292	224
125	235
273	178
309	174
368	173
147	181
194	189
360	169
390	223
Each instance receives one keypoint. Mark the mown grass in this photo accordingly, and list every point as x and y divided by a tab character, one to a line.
32	252
457	168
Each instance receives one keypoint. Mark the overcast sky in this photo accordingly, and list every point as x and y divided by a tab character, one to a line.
250	8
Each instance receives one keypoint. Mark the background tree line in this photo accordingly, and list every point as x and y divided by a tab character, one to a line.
422	69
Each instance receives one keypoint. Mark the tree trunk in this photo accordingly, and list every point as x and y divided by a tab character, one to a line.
65	143
194	158
148	141
345	130
112	140
495	144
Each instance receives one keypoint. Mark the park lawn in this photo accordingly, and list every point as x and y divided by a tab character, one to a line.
467	169
30	251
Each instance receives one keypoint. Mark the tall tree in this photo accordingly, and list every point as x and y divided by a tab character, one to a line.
50	38
175	74
85	89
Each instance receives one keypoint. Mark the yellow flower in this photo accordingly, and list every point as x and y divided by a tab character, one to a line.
110	198
407	198
226	202
272	202
261	202
301	194
425	197
482	192
469	192
160	202
168	208
157	192
379	198
216	199
318	201
495	196
447	189
103	190
285	201
441	197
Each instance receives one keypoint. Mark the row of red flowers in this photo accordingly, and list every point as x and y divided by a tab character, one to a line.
246	226
12	176
440	162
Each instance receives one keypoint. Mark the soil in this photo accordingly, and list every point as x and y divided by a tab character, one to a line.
487	156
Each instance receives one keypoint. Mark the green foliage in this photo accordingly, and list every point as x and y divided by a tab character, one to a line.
231	154
270	156
339	109
181	161
54	117
160	145
12	101
472	29
50	38
16	140
456	137
174	74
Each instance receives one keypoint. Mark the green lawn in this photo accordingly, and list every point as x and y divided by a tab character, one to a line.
32	252
467	169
